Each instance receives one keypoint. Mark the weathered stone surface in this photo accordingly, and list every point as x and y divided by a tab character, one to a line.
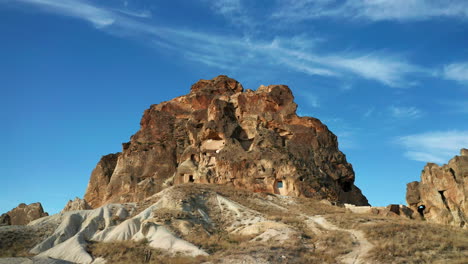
77	204
5	219
219	133
23	214
443	190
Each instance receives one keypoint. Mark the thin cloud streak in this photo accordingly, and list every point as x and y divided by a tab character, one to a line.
456	72
222	51
402	112
378	10
99	17
438	146
140	14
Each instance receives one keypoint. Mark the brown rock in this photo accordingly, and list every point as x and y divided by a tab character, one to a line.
75	205
5	219
23	214
219	133
443	191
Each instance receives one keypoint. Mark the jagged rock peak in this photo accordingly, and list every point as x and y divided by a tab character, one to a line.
221	84
221	134
441	195
77	204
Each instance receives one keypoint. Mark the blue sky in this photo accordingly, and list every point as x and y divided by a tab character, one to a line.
389	78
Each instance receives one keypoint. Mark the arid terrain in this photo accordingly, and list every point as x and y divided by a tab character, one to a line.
198	223
227	175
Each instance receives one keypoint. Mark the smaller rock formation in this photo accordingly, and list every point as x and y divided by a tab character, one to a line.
75	205
23	214
441	195
5	219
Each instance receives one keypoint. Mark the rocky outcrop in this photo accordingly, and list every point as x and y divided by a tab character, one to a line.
5	219
75	205
441	195
23	214
220	133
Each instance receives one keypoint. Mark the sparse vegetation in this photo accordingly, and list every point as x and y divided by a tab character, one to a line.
16	241
417	242
394	240
123	252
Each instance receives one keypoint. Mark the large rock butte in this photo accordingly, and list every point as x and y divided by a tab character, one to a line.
221	134
443	191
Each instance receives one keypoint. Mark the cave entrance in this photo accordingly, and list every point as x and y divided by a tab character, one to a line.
190	178
421	209
279	184
346	186
280	188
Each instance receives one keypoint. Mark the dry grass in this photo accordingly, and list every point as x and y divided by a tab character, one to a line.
395	240
124	252
417	242
399	240
16	241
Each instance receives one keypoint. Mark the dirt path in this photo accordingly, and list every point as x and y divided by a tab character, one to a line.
359	251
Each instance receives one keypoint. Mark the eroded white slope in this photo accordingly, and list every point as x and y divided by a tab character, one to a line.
108	223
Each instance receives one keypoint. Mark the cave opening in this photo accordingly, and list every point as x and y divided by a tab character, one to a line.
346	186
191	178
279	184
421	209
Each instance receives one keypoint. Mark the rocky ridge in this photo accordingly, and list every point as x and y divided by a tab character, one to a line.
441	195
220	133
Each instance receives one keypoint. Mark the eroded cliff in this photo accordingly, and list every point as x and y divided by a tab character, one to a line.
221	134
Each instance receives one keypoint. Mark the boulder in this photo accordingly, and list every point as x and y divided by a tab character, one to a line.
220	133
75	205
441	195
23	214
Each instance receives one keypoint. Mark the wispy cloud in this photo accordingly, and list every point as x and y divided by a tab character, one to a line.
436	147
141	14
99	17
371	10
456	72
234	11
402	112
300	53
388	69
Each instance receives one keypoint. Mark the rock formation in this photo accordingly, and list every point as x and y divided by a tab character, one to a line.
221	134
441	195
5	219
23	214
77	204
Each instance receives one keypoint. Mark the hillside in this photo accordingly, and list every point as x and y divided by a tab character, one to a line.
198	223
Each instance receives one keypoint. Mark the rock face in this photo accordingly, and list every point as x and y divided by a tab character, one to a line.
5	219
23	214
77	204
443	191
221	134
